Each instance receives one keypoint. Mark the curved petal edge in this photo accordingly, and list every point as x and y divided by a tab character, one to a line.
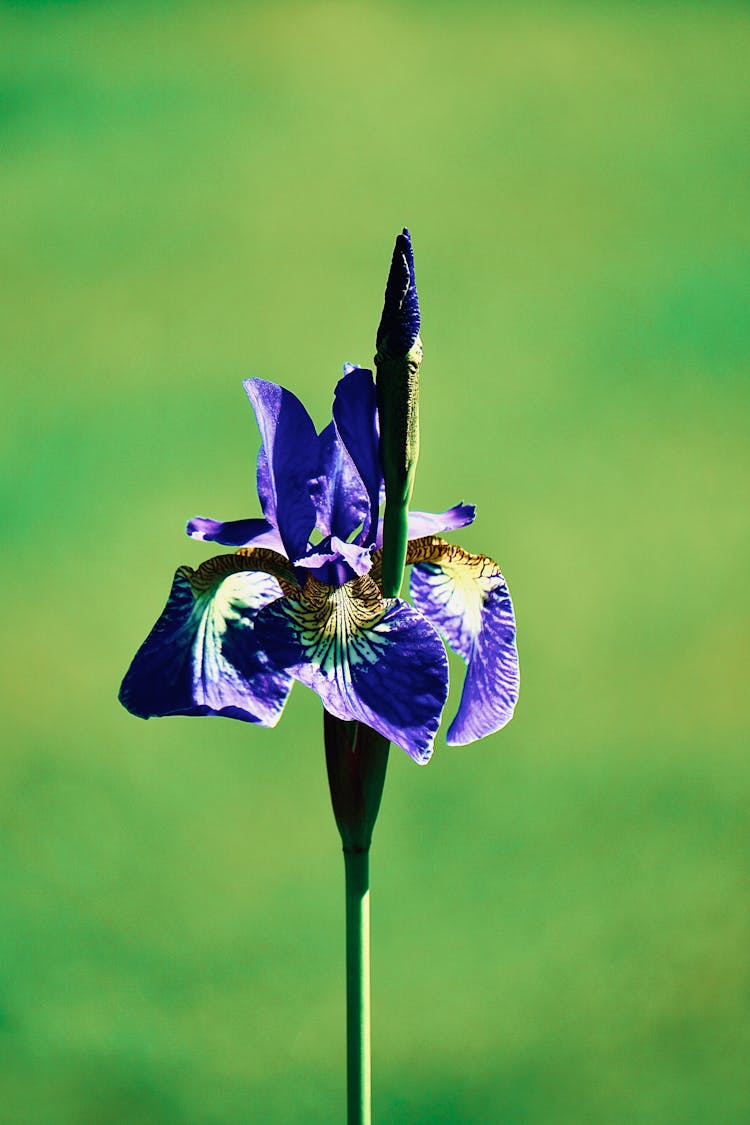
466	597
202	657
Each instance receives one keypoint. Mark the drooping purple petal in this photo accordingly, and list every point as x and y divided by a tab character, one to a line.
290	465
466	598
378	662
432	523
235	533
355	413
338	492
202	656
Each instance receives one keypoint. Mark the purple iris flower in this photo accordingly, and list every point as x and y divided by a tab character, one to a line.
300	596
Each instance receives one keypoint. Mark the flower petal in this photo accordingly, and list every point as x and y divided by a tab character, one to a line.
289	462
356	560
355	413
264	486
202	655
235	533
465	596
431	523
372	660
338	493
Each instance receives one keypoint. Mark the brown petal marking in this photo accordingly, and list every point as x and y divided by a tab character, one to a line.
211	572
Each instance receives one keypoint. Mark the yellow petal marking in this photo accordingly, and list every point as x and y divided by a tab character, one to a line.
213	571
463	566
338	625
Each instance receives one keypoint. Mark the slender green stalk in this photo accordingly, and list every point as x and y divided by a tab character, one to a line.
395	535
358	1085
356	760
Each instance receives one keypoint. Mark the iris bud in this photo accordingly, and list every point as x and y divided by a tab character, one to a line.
398	331
398	357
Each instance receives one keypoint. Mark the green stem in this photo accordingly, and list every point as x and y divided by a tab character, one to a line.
357	867
356	759
394	550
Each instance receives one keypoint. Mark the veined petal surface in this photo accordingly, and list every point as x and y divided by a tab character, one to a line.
288	464
372	660
202	657
355	413
465	596
339	495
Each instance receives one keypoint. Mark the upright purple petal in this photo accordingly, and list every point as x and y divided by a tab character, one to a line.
235	533
378	662
355	412
291	460
202	655
264	485
466	598
338	493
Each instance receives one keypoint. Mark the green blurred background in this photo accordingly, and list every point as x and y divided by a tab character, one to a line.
194	193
